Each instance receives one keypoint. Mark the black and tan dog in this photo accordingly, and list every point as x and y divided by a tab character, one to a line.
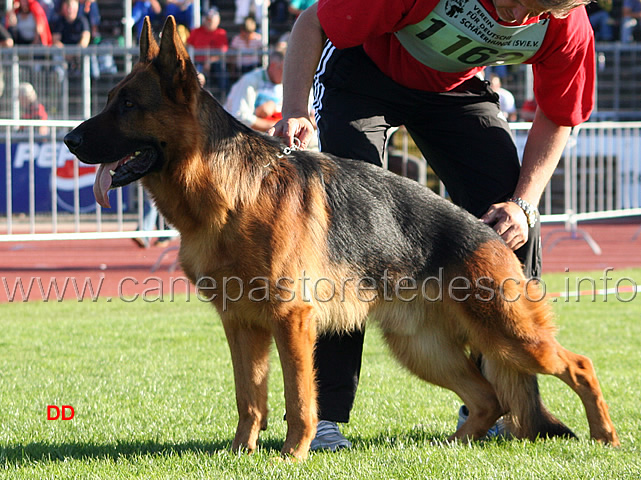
303	243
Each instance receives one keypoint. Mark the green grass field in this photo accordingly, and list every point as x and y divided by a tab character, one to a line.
152	389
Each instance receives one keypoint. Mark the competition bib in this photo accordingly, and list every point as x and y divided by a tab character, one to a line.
460	34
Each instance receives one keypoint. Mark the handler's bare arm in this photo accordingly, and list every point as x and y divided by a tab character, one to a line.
303	54
543	150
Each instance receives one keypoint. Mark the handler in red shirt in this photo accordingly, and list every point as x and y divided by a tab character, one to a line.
384	63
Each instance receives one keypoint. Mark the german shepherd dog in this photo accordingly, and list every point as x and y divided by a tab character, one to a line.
325	243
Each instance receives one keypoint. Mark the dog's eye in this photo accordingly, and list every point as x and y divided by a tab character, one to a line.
129	104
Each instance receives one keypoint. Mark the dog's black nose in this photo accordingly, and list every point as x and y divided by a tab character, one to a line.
73	140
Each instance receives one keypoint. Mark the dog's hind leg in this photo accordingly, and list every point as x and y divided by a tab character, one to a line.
440	360
295	336
512	328
578	372
249	346
513	374
547	356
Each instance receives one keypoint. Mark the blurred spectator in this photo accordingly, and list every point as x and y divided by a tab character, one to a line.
30	108
6	40
297	6
600	19
506	99
70	28
246	8
86	8
256	99
142	9
28	24
268	108
210	36
631	20
249	43
183	12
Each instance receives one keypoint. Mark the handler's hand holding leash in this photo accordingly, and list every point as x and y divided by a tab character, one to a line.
290	128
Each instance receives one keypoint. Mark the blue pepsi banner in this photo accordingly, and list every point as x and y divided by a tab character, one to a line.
43	155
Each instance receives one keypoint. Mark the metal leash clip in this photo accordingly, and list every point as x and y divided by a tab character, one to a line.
293	148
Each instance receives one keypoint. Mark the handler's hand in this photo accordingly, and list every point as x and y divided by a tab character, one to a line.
509	221
290	127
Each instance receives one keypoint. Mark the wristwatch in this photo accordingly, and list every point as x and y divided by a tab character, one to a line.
531	212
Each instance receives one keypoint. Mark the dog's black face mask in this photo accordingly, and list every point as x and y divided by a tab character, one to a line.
129	138
125	169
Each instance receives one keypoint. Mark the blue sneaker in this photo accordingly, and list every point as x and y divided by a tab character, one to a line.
497	430
329	437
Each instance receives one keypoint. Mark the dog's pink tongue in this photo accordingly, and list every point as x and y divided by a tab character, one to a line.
102	183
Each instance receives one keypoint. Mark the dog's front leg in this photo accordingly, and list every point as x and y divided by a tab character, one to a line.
249	347
295	336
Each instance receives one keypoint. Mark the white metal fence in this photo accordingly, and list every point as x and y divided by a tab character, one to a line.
46	193
599	174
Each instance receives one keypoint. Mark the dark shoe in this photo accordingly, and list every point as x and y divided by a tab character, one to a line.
329	437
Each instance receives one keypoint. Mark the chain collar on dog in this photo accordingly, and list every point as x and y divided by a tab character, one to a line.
296	146
287	151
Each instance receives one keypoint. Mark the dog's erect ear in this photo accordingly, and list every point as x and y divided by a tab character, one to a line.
174	60
173	53
148	45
